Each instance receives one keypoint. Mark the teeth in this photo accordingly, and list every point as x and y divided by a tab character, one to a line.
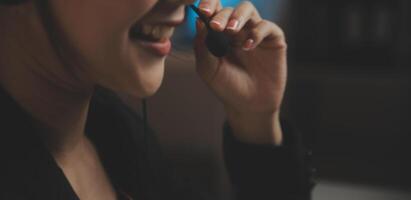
147	29
157	32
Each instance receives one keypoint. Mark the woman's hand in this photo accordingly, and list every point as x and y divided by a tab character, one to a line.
251	80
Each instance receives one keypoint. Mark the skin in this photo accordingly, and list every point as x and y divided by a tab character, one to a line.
91	47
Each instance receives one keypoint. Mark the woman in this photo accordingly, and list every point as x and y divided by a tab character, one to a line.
64	137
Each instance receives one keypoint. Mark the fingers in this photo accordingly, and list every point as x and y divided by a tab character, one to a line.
220	20
243	14
209	7
228	18
266	31
233	20
245	24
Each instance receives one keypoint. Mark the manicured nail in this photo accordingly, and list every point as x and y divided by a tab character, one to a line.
205	9
248	45
233	24
215	24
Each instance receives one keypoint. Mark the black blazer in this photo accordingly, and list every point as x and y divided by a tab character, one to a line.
134	161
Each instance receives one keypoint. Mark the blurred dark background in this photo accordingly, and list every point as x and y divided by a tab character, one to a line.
350	86
349	93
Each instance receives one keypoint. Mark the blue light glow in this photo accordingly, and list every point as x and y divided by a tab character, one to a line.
267	8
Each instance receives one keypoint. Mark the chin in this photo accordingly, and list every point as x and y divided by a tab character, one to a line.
143	83
145	90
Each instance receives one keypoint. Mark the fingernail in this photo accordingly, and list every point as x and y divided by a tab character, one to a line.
233	24
205	9
215	24
248	45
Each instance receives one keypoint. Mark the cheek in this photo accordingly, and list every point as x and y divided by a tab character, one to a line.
95	25
97	32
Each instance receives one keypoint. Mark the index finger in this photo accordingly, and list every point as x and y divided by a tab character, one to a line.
209	7
245	13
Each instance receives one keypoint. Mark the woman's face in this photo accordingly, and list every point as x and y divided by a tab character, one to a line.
119	44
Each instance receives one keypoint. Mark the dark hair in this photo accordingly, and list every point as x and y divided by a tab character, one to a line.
52	29
11	2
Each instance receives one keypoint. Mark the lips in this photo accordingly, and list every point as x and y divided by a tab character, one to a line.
153	33
154	37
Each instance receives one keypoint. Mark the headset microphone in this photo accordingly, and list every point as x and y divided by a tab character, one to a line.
217	42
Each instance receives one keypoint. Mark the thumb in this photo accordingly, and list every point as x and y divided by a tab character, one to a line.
207	64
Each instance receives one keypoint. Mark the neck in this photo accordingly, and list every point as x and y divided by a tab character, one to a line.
52	94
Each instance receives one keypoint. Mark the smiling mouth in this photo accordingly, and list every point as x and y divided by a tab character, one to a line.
151	33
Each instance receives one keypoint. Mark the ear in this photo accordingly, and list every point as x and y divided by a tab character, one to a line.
12	2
